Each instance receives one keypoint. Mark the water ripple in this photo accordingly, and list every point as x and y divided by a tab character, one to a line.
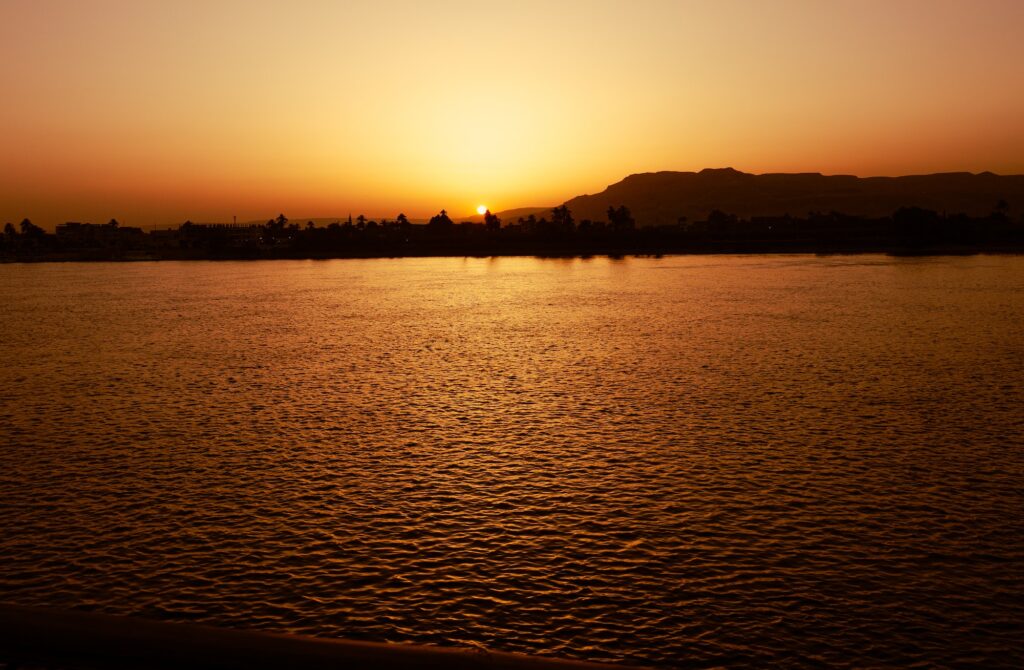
699	462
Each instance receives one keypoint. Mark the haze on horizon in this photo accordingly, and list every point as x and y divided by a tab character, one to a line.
155	112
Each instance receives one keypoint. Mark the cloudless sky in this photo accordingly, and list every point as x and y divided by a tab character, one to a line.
156	112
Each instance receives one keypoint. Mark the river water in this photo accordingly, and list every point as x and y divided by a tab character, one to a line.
685	461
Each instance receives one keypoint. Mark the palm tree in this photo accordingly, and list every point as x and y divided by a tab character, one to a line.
562	218
441	220
30	229
621	219
491	221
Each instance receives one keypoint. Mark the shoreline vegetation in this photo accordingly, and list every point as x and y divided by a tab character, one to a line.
907	231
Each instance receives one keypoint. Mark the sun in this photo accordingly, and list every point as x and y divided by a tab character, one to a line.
481	209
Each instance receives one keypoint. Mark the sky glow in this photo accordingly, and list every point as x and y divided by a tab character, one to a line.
157	112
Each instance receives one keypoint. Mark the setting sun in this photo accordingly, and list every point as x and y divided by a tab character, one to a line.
481	209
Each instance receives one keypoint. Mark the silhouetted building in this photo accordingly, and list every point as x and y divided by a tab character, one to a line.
75	234
231	235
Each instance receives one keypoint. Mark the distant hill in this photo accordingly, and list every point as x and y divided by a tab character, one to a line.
511	215
321	221
324	221
662	197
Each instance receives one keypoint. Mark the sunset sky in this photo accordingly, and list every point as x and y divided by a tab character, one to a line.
157	112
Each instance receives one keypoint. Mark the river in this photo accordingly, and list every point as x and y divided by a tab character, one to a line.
685	461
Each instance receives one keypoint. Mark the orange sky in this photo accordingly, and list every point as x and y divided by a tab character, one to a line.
156	112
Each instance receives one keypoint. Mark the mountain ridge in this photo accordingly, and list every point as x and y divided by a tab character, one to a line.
663	197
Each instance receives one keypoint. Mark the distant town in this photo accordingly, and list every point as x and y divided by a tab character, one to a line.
907	230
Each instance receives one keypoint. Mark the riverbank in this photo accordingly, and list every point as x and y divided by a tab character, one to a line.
484	251
38	636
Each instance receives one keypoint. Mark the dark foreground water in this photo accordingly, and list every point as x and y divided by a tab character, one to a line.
692	461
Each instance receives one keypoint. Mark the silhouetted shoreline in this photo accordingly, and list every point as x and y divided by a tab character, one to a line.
746	250
908	231
48	637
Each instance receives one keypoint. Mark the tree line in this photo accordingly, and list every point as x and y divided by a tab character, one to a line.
557	232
